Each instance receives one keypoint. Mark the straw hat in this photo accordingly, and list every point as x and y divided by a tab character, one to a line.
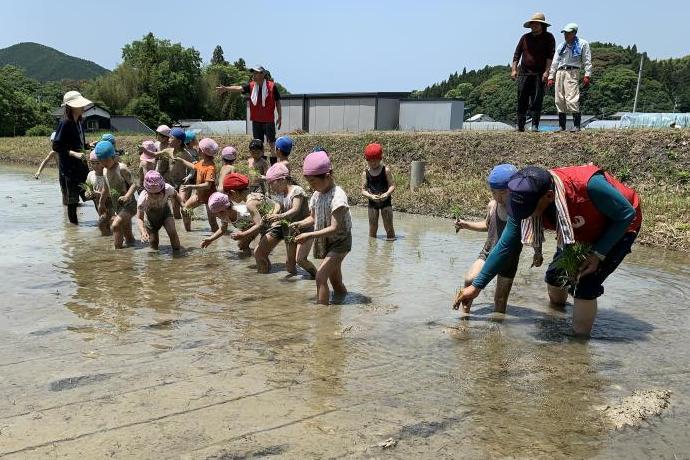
537	17
75	100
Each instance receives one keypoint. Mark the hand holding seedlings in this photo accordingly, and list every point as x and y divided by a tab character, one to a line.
589	265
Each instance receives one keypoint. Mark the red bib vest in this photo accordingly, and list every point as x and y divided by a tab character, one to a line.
259	113
588	223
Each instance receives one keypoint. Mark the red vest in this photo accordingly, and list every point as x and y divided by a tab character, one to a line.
259	113
588	222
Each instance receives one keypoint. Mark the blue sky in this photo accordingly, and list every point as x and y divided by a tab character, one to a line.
330	46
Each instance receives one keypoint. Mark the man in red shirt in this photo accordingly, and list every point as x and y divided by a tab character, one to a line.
534	53
264	102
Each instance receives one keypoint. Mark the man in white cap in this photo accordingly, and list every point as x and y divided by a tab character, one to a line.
533	54
571	57
264	102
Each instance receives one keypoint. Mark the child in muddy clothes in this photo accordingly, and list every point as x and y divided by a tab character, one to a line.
120	189
258	165
230	210
494	223
153	211
95	184
148	153
205	183
178	172
293	207
378	186
228	156
330	215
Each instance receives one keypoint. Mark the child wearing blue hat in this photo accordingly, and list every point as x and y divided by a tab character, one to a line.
283	148
119	189
178	172
495	222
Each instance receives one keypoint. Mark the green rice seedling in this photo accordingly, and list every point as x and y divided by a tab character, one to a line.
455	212
265	208
290	232
243	224
87	187
570	260
188	212
115	200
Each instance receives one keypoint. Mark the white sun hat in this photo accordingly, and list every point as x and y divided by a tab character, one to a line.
75	100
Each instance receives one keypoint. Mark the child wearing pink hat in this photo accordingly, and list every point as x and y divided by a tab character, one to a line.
294	206
330	215
148	154
228	156
205	182
153	211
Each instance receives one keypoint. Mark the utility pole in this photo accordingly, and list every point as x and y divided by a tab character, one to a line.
639	80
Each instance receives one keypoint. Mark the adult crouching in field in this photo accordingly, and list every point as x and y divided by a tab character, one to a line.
531	64
69	143
264	103
584	205
571	56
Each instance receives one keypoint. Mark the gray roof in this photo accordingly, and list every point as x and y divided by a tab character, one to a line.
393	95
91	111
129	125
604	124
217	128
487	126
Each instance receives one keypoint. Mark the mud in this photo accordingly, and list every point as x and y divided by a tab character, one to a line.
198	357
638	408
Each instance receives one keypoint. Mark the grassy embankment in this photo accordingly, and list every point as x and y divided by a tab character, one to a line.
655	162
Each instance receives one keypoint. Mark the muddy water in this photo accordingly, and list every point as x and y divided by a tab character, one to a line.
135	353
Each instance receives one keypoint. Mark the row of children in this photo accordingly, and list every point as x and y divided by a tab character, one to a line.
236	199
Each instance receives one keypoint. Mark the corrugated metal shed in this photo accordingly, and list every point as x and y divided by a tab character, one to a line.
431	114
339	112
604	124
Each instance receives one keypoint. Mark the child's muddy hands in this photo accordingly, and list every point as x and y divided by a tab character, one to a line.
144	236
36	176
537	260
273	218
302	238
206	242
123	199
460	225
464	297
236	236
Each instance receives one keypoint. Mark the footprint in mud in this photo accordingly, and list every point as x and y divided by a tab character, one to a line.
70	383
262	452
635	409
383	309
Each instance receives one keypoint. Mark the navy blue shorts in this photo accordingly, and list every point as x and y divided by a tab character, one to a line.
591	286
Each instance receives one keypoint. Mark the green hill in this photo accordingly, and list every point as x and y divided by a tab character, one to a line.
665	85
47	64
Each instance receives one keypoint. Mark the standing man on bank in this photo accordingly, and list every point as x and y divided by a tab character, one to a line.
531	63
570	58
264	102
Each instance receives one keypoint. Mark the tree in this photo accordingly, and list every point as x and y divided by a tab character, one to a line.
218	57
240	64
462	91
146	109
496	97
227	106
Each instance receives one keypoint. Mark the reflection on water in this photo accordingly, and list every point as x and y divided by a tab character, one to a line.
392	360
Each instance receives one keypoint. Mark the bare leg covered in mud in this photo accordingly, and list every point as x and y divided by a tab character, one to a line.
301	256
122	230
584	311
387	217
373	222
330	270
170	229
266	244
212	221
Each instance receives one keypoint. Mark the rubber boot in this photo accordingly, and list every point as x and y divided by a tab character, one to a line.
72	213
577	119
521	120
561	120
535	122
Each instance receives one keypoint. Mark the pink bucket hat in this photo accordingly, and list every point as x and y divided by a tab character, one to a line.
150	149
164	130
317	163
218	202
228	153
154	182
208	147
276	172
